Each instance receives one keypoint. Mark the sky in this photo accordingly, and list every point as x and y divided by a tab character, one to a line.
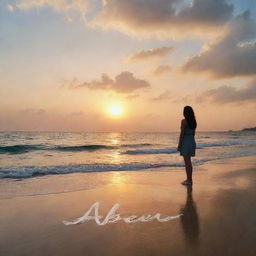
64	63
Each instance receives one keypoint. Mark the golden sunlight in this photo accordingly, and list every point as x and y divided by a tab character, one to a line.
115	110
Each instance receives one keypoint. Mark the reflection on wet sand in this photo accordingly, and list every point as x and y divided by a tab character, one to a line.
190	221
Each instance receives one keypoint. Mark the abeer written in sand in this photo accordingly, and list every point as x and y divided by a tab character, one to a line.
113	217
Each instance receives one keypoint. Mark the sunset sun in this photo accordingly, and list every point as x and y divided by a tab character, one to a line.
115	110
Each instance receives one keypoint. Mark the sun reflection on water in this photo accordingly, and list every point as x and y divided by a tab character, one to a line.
114	141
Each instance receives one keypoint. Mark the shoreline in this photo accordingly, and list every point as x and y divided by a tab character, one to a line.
46	184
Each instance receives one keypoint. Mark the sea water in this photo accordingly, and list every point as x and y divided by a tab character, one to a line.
29	154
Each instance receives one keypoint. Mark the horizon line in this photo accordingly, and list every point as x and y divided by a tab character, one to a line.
65	131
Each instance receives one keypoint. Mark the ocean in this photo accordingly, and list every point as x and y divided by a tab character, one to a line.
29	154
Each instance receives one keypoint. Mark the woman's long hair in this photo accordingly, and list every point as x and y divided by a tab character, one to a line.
189	115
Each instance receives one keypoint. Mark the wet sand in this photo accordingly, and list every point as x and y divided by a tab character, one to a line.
218	213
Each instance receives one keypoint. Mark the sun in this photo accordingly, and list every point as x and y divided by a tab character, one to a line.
115	110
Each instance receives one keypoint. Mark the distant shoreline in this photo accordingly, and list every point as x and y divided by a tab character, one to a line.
244	129
249	129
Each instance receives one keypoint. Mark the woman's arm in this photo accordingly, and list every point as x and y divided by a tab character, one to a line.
182	128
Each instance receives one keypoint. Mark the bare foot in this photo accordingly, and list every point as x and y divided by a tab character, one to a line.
187	183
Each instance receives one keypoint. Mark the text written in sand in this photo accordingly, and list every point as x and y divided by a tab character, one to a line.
113	217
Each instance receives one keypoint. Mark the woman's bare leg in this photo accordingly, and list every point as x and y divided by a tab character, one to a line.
189	168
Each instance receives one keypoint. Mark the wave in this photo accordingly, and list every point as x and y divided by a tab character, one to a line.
198	146
21	149
226	143
83	148
152	151
18	149
32	171
27	172
98	146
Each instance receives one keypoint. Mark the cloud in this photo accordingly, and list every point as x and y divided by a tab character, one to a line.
163	96
65	6
167	17
228	94
143	17
162	69
155	53
103	83
125	82
233	55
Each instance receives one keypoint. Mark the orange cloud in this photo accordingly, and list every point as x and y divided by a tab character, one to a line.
125	82
228	94
154	53
162	69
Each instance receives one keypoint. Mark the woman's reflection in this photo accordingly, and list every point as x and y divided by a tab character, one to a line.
189	220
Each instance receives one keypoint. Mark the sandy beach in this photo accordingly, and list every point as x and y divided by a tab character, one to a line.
218	214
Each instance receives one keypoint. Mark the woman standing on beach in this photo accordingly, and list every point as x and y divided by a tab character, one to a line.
187	144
